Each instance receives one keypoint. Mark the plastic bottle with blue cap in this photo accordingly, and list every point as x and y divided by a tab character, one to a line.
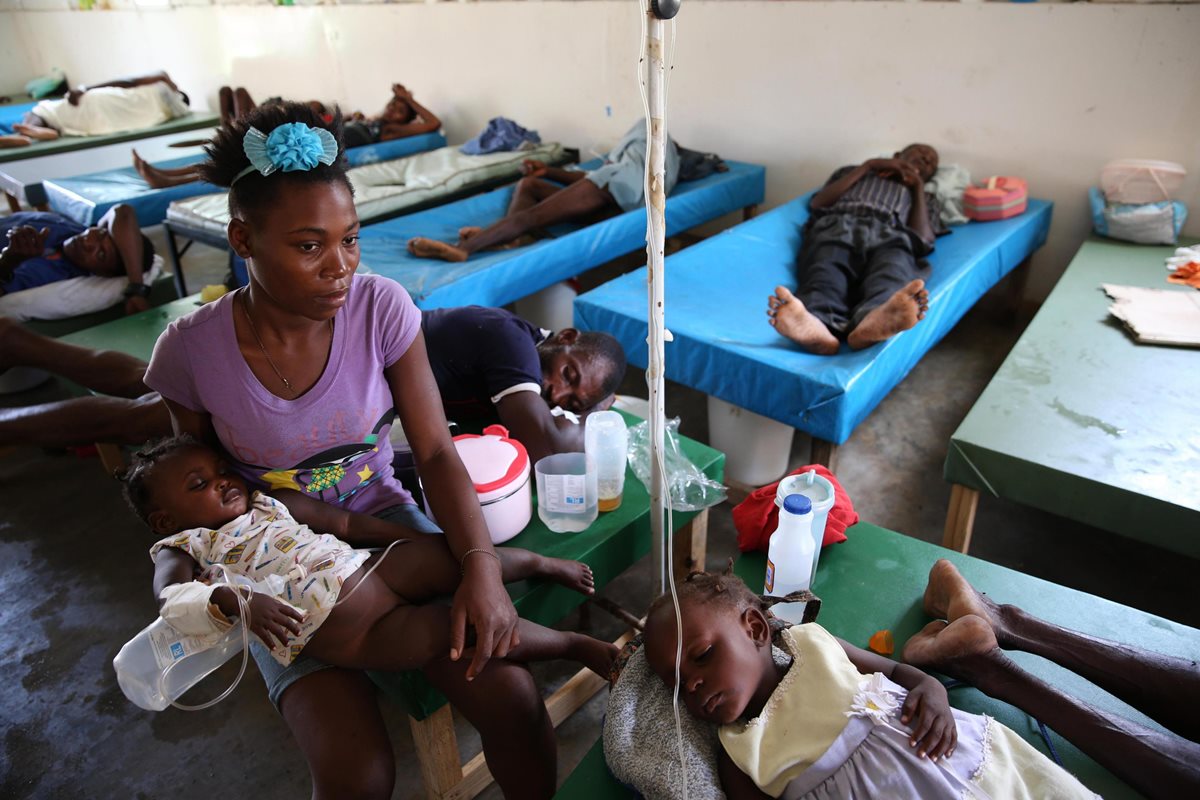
791	551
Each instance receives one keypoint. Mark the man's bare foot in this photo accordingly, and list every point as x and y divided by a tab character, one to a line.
899	312
945	646
594	654
574	575
432	248
789	316
35	132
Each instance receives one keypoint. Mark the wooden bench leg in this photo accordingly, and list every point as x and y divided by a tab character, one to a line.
824	453
14	205
111	457
960	518
691	545
750	211
437	752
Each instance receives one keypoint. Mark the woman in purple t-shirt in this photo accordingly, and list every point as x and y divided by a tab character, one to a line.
297	378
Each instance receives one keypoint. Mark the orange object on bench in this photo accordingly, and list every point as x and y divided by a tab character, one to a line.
1000	198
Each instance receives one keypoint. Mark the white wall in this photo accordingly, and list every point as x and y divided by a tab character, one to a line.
1048	92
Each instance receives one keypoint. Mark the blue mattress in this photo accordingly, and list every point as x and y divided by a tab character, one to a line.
499	277
85	198
716	300
13	113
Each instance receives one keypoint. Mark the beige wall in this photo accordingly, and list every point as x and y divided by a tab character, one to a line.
1048	92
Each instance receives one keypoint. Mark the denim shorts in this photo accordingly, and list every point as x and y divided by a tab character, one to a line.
278	677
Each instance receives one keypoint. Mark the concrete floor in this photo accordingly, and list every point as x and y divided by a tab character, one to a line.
69	732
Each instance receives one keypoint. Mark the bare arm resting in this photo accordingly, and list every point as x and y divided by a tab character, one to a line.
357	529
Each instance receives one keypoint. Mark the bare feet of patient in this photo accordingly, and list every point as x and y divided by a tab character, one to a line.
572	574
953	648
900	312
973	627
432	248
789	316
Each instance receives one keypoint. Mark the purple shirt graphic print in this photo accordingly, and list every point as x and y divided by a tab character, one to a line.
332	442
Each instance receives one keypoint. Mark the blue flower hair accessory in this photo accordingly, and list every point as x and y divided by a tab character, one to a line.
292	147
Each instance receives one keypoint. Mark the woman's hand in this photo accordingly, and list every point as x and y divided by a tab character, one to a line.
273	618
482	603
927	709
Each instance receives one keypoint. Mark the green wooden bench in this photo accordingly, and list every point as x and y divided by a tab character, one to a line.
876	581
616	541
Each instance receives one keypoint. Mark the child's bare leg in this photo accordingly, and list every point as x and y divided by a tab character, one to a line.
104	371
518	565
424	568
15	140
1156	764
369	631
1165	688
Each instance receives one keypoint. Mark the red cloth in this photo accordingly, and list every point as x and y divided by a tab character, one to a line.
757	516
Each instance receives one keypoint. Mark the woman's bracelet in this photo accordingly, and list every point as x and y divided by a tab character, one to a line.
462	562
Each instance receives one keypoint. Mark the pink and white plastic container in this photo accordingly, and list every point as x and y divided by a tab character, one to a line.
499	468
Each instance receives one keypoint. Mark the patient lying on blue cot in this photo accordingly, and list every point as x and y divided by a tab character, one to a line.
861	268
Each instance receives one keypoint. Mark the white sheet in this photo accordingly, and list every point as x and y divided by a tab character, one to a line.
388	186
109	109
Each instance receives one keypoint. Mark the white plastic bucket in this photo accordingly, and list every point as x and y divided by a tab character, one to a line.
756	448
552	308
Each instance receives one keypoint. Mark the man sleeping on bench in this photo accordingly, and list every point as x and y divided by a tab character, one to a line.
861	266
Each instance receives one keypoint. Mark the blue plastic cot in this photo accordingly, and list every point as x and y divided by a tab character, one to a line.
715	304
86	198
499	277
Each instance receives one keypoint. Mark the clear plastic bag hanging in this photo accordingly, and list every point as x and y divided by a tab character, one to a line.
690	489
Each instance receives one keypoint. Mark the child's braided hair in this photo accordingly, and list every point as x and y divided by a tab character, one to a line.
134	480
709	587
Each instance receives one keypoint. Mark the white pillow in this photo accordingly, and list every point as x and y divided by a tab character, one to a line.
72	297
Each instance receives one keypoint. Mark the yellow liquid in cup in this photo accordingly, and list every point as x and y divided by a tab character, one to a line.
609	503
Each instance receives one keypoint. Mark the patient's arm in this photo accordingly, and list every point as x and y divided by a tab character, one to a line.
426	121
918	215
530	422
833	190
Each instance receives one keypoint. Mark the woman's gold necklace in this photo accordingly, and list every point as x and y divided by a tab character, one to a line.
266	355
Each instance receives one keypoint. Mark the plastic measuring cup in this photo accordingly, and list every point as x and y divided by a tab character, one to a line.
566	492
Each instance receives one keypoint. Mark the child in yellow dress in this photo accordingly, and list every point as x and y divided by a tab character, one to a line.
839	721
